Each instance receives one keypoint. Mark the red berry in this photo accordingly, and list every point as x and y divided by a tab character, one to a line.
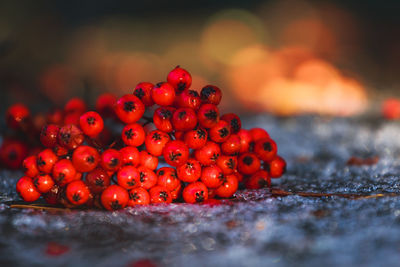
138	196
46	160
258	133
232	145
167	177
77	193
220	132
147	160
72	118
55	117
85	158
143	92
70	136
176	153
155	142
51	196
245	140
114	197
208	115
91	123
195	192
258	180
234	121
61	151
176	193
30	167
228	164
211	94
26	189
110	160
147	178
162	118
265	149
133	134
196	138
12	153
129	109
105	104
208	154
64	172
180	79
129	156
248	163
188	99
75	105
17	115
190	171
128	177
97	180
160	194
43	182
277	167
163	94
212	176
184	119
48	135
228	187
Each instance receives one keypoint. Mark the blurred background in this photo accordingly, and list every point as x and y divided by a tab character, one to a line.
285	57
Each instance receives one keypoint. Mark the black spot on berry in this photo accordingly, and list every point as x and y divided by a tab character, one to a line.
163	195
230	164
267	146
99	182
181	115
40	162
214	157
206	92
201	133
61	177
165	113
156	136
76	197
248	160
129	134
224	132
159	84
91	120
261	182
65	137
235	125
139	93
90	159
131	183
134	196
211	115
115	205
13	155
174	156
193	93
129	106
161	172
199	196
114	162
181	86
36	181
142	176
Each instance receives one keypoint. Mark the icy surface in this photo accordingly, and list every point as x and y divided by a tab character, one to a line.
254	229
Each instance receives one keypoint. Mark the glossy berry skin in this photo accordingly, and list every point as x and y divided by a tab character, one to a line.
26	189
208	115
110	160
162	118
114	197
43	182
75	105
128	177
188	99
70	136
245	140
133	134
208	154
277	167
97	180
147	177
12	153
129	156
129	109
105	104
234	121
196	138
64	172
138	196
168	178
179	78
147	160
85	158
232	145
220	132
184	119
258	180
265	149
176	193
48	135
176	153
190	171
61	151
163	94
228	164
228	187
195	193
211	94
143	92
91	123
160	194
17	115
77	193
258	133
248	163
46	160
155	142
212	176
30	167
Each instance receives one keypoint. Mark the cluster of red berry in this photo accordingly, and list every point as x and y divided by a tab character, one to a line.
208	155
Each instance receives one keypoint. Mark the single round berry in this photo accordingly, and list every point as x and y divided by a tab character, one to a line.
30	166
91	123
208	154
232	145
43	182
75	105
110	160
27	190
147	160
162	118
195	193
265	149
163	94
70	136
51	197
105	104
179	78
155	142
234	121
85	158
133	134
138	196
143	92
228	187
64	172
129	109
77	193
168	178
128	177
212	176
176	153
114	197
12	153
71	118
98	180
258	133
17	115
248	163
211	94
46	160
55	116
160	194
188	99
196	138
48	135
228	164
220	132
184	119
190	171
129	156
61	152
245	140
276	167
147	177
208	115
258	180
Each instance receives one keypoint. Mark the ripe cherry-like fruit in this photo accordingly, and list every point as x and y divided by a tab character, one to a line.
27	190
176	193
232	145
30	166
179	78
43	182
70	136
110	160
162	118
105	104
228	164
114	197
211	94
147	160
77	193
258	180
12	153
91	123
129	109
176	153
184	119
133	134
48	135
277	167
212	176
228	187
129	156
195	193
75	105
51	196
163	94
143	92
234	121
138	196
190	171
98	180
208	154
147	178
155	142
17	115
85	158
128	177
258	133
265	149
168	178
220	132
196	138
64	172
248	163
160	194
208	115
188	99
46	160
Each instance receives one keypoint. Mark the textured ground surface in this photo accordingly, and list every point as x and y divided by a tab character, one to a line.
254	230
